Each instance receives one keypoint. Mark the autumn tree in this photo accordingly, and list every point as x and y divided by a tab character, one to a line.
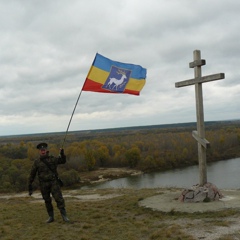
133	156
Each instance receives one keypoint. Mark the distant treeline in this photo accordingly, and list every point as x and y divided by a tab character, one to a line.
153	149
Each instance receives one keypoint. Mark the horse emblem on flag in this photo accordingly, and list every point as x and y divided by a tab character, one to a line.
117	79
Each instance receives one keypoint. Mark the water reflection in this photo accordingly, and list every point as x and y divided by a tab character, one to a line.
224	174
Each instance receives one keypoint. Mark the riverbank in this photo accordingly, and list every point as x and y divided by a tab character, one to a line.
175	178
106	174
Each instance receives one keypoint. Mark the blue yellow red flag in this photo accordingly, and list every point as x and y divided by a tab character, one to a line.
109	76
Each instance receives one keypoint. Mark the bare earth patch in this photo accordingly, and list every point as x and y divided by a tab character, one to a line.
167	201
201	229
106	174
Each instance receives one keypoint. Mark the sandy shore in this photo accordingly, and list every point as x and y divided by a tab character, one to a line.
106	174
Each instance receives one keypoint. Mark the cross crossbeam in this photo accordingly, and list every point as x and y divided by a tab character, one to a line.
199	135
205	79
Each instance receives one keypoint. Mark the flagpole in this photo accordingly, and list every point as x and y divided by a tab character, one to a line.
71	117
76	106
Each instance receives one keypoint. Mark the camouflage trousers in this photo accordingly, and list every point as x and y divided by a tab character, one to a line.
52	188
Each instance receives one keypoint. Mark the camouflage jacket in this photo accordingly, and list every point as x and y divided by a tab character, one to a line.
44	173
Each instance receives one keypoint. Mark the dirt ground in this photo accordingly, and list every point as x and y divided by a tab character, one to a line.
165	200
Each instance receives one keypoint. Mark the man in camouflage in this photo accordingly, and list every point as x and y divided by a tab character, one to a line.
46	168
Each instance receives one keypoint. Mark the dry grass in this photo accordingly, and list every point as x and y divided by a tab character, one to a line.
117	218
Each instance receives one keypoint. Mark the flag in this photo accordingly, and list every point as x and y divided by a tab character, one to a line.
109	76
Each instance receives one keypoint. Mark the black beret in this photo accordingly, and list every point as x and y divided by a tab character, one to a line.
42	146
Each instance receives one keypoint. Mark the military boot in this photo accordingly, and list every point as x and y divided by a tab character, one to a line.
64	215
51	217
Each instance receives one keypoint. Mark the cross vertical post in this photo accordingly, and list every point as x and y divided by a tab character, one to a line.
200	120
199	135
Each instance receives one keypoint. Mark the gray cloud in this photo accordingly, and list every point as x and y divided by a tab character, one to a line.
48	47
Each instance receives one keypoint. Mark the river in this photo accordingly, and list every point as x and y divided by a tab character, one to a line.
224	174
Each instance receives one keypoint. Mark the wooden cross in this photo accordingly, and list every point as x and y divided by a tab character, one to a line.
199	135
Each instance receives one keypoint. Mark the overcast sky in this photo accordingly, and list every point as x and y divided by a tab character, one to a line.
47	48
